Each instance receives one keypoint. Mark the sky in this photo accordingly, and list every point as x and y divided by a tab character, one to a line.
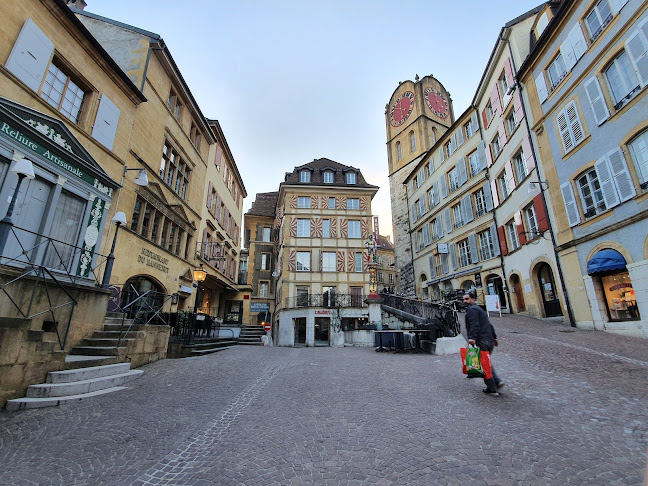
291	81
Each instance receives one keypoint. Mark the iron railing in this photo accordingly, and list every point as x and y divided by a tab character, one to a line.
187	326
51	264
325	300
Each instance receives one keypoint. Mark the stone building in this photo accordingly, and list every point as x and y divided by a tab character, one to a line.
323	220
417	114
585	83
385	271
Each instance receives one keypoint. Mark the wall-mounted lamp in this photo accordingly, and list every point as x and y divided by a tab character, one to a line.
511	89
535	186
141	179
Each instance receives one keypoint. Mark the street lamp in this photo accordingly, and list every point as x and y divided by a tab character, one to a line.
199	275
24	169
119	219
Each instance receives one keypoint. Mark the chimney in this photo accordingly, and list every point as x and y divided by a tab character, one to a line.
78	4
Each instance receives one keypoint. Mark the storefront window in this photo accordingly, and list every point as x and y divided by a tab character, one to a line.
233	311
620	297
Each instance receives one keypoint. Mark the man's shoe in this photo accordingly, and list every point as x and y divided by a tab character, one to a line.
501	384
492	393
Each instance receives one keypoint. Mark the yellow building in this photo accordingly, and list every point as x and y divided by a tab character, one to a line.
323	219
385	270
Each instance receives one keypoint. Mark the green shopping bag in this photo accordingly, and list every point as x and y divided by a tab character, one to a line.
472	362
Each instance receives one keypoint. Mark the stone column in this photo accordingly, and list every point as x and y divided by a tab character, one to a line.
375	313
597	304
639	277
310	329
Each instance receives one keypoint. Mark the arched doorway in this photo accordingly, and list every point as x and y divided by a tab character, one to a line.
516	288
137	286
608	269
548	291
495	286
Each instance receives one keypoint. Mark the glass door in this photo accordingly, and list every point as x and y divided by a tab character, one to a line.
548	291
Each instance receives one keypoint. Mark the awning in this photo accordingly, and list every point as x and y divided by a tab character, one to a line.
606	261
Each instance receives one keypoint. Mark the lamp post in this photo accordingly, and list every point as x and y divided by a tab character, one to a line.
199	275
119	219
24	169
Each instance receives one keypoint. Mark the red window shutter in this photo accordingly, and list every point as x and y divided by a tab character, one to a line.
501	235
528	155
217	158
519	227
484	118
495	100
203	250
494	194
508	73
541	213
209	195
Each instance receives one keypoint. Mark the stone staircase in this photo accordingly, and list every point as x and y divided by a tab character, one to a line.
94	368
251	335
205	346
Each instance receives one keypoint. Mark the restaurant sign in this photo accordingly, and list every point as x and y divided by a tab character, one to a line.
154	260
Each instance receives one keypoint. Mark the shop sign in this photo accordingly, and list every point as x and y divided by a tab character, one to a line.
442	248
154	260
259	307
323	312
91	236
55	159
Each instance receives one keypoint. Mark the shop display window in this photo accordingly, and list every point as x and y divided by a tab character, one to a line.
620	297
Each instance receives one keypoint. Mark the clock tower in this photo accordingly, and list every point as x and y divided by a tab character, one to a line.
417	114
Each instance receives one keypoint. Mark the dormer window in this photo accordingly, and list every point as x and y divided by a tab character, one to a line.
351	178
305	176
328	177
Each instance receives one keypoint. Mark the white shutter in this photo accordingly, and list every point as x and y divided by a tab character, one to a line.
570	204
517	106
437	196
621	175
575	125
567	52
453	255
444	186
616	5
637	47
488	196
462	171
495	239
413	213
474	121
577	40
460	136
481	151
596	99
467	209
448	220
442	154
541	86
30	55
440	225
472	243
453	142
432	269
105	125
565	134
606	181
417	247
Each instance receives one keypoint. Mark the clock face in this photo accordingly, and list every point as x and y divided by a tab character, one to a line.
402	109
436	102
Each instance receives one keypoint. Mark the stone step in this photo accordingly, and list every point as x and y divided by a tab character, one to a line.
251	343
104	342
202	352
69	376
50	390
27	403
118	334
119	327
218	344
74	362
117	320
99	350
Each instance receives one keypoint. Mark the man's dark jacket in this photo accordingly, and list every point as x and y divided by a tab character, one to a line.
479	328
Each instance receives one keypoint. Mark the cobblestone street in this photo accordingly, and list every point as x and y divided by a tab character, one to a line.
573	411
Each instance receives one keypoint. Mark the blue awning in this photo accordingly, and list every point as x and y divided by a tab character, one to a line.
605	261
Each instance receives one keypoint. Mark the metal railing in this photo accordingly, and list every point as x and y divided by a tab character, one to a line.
51	264
187	326
325	300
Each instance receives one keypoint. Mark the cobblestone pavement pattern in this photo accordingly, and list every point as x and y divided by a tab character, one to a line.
574	411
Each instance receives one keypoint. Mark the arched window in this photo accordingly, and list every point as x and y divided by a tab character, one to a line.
639	152
398	151
412	141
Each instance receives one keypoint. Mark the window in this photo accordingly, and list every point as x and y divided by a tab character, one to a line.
503	85
303	261
351	178
266	234
265	261
496	148
412	142
480	203
453	179
391	278
328	177
449	148
486	245
328	261
353	203
302	295
514	240
194	136
470	129
305	176
569	124
420	177
263	289
511	122
331	203
173	170
62	93
591	194
474	164
531	222
381	279
503	186
519	164
622	79
358	261
436	229
303	228
399	152
304	202
620	296
557	71
489	111
326	228
354	229
639	153
174	104
464	253
420	206
598	18
457	216
438	263
137	210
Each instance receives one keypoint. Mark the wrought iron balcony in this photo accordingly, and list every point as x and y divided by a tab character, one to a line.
331	301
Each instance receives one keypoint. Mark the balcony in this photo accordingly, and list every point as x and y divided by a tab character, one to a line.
331	301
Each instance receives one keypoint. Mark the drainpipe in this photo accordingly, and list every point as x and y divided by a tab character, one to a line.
570	314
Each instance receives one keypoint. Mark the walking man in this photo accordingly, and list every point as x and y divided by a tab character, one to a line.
481	333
